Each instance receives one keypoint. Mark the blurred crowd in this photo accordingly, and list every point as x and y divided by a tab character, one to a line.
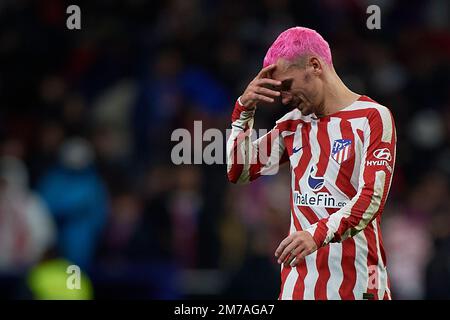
86	119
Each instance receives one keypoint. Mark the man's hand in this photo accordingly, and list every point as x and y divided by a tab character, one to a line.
256	92
296	246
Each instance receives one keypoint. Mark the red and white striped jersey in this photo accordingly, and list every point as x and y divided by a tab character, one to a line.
341	171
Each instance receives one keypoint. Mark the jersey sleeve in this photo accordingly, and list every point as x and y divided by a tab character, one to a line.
247	159
377	165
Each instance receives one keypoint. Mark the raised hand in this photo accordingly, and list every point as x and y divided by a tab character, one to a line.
257	90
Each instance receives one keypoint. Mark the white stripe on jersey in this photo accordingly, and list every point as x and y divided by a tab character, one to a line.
355	124
361	251
311	276
304	223
336	274
289	285
381	269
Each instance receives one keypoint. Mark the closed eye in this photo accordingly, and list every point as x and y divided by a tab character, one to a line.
286	84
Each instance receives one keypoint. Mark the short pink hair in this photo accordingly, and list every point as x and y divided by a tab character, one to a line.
295	42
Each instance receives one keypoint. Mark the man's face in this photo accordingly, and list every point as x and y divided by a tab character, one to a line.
301	87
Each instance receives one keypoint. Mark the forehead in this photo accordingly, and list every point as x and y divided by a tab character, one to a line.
283	71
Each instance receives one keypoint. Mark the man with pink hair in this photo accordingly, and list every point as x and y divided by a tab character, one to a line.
341	149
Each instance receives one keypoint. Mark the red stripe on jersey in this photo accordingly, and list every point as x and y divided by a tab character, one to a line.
238	109
346	168
236	169
297	224
325	147
320	290
349	269
284	273
299	288
305	158
301	168
288	142
266	144
309	214
288	125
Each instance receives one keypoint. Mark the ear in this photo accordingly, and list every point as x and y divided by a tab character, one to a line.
316	65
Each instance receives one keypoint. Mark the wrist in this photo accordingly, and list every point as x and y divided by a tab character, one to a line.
239	101
317	234
241	112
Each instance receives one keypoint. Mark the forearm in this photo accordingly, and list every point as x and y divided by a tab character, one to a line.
239	146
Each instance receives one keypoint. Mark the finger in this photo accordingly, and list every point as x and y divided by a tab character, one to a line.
290	258
293	254
267	92
286	252
282	245
260	97
267	81
299	258
266	70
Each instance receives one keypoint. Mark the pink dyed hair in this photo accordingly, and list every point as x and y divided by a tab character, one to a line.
296	42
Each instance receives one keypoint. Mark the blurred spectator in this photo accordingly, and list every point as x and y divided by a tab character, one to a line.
136	246
438	268
127	237
408	248
26	226
185	206
409	243
78	201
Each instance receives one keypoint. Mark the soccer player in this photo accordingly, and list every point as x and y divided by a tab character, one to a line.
341	149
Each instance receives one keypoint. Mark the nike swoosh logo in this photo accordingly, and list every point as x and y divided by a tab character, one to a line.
295	150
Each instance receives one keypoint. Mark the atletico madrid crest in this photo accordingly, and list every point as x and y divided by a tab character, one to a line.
341	150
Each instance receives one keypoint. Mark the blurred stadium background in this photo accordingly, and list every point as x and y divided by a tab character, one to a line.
85	124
